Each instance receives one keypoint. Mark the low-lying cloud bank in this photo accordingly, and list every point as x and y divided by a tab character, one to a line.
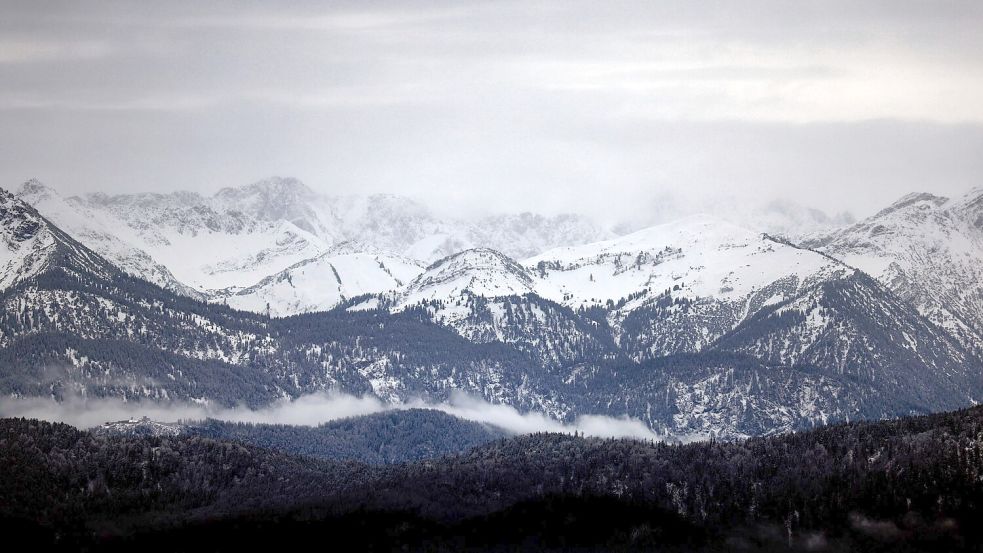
315	409
468	407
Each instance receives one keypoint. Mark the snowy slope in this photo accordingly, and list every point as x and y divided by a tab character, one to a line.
344	271
293	214
680	286
397	224
210	247
485	296
26	243
31	246
202	244
697	257
928	250
667	289
855	327
101	235
479	272
702	255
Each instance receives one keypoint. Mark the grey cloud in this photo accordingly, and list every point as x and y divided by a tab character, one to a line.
315	409
550	106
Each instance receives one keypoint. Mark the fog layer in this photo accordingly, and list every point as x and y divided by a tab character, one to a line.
314	409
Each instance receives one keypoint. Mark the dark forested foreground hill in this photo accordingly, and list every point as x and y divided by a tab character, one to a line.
395	436
911	484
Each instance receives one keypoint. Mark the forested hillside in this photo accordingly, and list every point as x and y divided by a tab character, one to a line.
911	484
382	438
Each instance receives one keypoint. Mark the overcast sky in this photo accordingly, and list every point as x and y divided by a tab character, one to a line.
599	107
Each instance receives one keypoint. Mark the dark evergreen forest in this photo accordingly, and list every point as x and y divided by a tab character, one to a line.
381	438
913	484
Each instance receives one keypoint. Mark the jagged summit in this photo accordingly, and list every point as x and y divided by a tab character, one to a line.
107	236
19	221
970	206
477	259
922	199
33	187
31	245
271	187
274	199
26	243
479	272
319	284
928	250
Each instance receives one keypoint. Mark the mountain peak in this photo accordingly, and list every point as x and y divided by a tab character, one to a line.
6	198
478	272
478	258
700	228
915	198
13	207
33	189
272	187
26	243
348	247
274	199
970	204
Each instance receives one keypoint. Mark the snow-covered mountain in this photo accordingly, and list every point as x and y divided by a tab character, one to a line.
683	287
71	323
240	244
30	245
694	285
697	257
345	271
929	251
27	243
793	220
205	243
478	272
678	287
486	297
693	327
102	234
781	217
855	327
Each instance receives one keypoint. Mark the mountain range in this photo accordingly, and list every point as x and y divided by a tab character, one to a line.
213	247
696	327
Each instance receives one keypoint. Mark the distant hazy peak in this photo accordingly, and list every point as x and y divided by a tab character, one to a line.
272	187
909	200
144	199
33	188
478	258
970	204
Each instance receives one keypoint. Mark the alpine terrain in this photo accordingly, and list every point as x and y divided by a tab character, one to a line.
695	328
